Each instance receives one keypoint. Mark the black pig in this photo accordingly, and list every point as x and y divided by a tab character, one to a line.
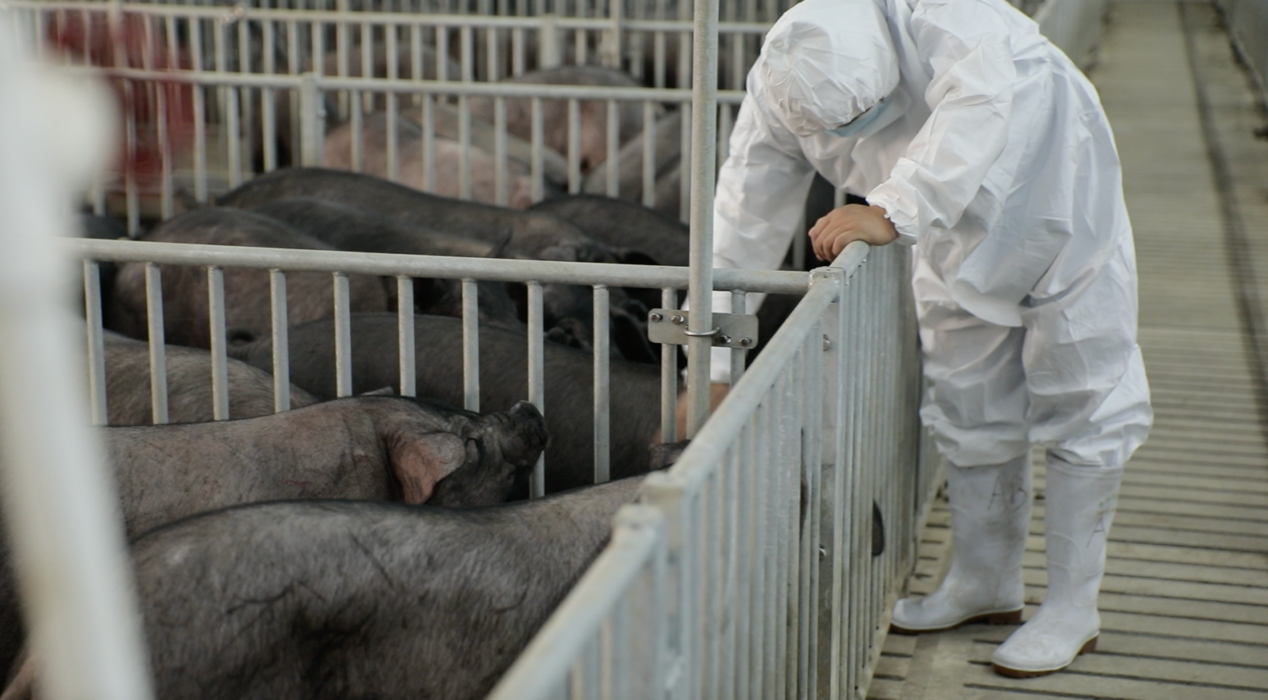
336	599
569	409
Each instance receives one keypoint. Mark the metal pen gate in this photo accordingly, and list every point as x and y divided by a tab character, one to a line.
746	572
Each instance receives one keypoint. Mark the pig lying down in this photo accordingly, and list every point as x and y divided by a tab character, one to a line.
369	447
383	448
308	600
189	390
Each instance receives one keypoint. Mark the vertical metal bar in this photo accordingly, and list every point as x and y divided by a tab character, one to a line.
649	154
668	376
442	49
406	347
242	102
343	336
537	376
219	365
493	59
268	102
574	146
357	143
748	562
310	129
684	182
777	609
686	64
167	204
364	100
761	521
391	116
614	36
612	159
130	188
602	387
658	50
416	55
429	144
470	346
200	111
729	573
464	141
704	98
538	142
467	50
501	182
666	491
855	495
281	342
96	344
158	354
738	352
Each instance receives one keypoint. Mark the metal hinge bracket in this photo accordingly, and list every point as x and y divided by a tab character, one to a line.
669	327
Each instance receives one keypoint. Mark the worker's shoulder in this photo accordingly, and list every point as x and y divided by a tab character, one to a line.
969	16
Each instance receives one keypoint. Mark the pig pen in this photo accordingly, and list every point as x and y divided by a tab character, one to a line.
732	578
225	93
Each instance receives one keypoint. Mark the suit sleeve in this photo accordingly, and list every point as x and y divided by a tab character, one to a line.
760	198
965	46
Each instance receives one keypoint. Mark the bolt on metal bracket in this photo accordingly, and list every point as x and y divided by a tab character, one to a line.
669	327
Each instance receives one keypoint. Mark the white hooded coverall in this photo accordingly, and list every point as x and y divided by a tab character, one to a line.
993	157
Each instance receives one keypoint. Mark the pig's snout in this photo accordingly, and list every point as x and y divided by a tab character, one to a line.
521	432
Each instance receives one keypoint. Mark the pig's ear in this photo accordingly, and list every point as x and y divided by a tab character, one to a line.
419	462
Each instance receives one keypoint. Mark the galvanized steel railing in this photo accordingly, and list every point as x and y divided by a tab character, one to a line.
534	273
769	585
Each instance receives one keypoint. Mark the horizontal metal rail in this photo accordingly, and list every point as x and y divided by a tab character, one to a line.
399	19
402	268
437	87
441	267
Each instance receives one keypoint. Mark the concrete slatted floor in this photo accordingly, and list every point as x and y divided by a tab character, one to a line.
1184	604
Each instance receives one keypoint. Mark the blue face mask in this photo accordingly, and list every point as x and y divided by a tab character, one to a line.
862	121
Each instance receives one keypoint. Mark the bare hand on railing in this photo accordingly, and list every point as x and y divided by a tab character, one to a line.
852	222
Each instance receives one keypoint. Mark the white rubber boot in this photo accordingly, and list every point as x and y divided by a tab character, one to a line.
1080	507
990	518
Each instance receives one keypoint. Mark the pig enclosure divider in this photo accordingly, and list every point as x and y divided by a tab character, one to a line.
246	81
769	586
533	273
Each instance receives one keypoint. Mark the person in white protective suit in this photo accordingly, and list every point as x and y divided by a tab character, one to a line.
982	146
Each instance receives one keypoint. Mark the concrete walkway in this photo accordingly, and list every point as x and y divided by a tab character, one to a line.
1185	599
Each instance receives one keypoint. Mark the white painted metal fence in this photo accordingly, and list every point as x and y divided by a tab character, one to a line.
763	560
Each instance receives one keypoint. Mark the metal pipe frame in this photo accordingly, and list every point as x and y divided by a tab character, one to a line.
223	15
411	87
762	599
441	267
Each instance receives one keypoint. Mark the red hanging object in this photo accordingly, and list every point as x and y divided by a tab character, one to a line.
152	105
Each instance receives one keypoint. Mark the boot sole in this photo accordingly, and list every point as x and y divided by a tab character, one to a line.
1088	646
1000	618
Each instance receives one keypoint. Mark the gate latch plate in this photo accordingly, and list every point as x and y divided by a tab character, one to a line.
735	331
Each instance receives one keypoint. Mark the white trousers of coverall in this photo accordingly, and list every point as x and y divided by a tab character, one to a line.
1070	379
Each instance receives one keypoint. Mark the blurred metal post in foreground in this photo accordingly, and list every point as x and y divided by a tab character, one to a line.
59	501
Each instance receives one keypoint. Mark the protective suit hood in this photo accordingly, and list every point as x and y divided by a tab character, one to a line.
825	63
